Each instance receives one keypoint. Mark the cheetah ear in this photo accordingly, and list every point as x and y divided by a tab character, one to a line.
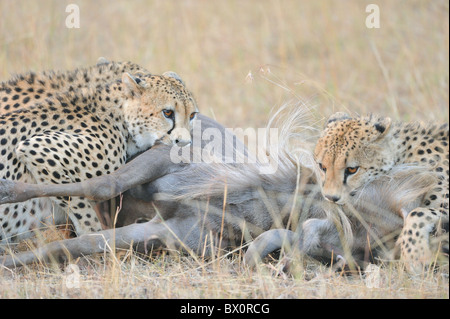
171	74
382	125
133	84
336	117
140	73
101	60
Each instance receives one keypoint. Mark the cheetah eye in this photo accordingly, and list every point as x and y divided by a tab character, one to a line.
168	113
324	169
192	115
351	170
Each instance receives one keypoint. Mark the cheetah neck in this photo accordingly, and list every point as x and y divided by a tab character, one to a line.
406	140
106	102
390	151
397	144
104	105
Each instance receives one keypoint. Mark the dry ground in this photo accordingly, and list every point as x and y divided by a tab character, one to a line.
177	276
241	59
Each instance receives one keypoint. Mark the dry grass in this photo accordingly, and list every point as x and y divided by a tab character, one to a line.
173	276
318	50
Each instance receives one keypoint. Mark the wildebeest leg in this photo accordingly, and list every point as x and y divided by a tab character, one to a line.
269	242
147	167
186	232
143	237
318	237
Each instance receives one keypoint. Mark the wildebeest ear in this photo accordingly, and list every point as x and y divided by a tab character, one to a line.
132	83
172	74
336	117
101	60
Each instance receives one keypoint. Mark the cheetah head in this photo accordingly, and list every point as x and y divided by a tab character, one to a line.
158	108
350	153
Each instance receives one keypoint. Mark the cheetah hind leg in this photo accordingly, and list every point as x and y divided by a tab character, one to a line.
48	163
422	237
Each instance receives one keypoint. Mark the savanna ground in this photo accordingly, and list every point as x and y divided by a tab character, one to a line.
241	59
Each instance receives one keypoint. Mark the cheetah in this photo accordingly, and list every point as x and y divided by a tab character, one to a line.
28	89
25	90
351	152
85	133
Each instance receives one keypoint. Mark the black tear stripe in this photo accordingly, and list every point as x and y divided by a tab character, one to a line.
172	117
345	178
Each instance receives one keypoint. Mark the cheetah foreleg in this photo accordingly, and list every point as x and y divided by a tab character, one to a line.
417	241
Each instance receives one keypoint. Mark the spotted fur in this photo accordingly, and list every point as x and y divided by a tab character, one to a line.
25	90
85	133
354	151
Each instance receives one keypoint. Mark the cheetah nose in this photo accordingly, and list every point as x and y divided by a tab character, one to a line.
182	143
333	198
